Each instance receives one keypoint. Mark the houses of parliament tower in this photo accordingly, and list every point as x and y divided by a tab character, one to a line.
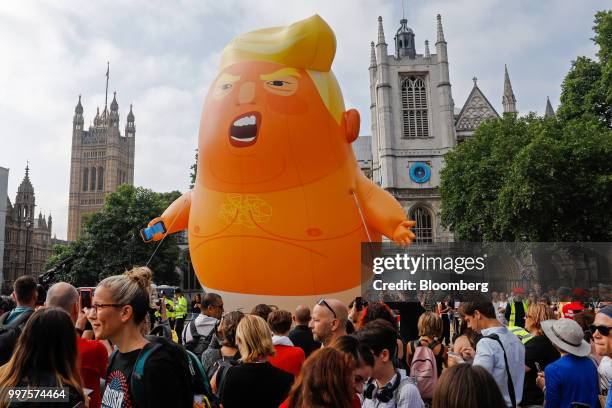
102	159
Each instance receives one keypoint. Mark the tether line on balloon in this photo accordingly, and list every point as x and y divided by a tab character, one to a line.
361	216
163	238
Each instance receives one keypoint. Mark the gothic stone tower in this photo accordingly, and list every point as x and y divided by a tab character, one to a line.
102	159
412	125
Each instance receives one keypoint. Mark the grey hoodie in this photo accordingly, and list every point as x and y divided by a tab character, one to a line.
204	324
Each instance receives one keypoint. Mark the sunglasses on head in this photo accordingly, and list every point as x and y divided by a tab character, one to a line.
322	302
604	330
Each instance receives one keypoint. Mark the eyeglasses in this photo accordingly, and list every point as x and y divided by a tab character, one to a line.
324	303
96	306
604	330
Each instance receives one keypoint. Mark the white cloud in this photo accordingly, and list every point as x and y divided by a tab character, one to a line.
164	55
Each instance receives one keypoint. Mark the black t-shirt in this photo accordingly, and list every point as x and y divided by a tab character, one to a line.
258	385
160	382
301	336
539	349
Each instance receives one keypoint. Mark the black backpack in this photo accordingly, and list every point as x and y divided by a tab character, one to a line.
9	333
188	366
199	343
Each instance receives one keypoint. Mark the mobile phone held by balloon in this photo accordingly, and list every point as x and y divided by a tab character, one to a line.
148	233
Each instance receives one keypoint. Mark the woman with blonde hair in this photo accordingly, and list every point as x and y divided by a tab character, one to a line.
539	352
430	335
118	310
326	381
254	382
45	356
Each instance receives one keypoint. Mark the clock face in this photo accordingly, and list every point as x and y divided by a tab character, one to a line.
420	172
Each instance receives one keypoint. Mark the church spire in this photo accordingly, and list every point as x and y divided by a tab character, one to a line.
550	112
381	31
372	55
440	30
508	100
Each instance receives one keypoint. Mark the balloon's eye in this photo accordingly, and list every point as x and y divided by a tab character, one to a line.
277	83
225	87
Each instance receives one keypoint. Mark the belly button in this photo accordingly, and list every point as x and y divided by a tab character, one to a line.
196	229
314	232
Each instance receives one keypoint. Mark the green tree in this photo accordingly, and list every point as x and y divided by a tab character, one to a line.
587	88
194	171
530	179
474	174
111	240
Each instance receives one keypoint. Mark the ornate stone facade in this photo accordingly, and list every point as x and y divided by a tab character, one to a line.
415	123
27	236
101	160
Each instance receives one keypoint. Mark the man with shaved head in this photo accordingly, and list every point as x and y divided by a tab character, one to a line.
329	319
301	335
93	358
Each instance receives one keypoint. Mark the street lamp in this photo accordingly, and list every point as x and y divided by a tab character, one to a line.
28	225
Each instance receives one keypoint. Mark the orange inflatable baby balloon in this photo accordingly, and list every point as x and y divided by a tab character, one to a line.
280	207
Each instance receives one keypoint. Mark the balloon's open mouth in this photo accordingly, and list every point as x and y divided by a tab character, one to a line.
243	131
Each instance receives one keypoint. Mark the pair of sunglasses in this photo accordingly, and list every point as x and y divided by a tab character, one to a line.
604	330
322	302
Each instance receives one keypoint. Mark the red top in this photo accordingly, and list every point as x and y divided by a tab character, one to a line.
93	360
288	358
571	309
356	402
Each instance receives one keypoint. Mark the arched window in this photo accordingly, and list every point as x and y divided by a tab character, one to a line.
414	107
92	185
424	225
85	179
100	178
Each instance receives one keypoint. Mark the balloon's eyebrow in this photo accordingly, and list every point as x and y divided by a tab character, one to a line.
228	78
284	72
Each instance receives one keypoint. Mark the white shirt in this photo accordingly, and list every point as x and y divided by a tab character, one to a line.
408	397
490	356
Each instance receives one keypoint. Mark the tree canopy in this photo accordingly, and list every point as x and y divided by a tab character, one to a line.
111	243
536	179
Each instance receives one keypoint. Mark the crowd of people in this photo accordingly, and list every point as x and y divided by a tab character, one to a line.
521	351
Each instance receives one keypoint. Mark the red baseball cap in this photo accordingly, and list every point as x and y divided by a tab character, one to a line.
518	291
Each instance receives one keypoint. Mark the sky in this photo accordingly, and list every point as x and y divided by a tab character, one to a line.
164	55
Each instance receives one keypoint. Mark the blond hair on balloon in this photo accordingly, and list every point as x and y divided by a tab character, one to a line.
308	44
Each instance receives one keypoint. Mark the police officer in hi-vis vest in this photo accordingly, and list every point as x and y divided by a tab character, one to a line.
516	310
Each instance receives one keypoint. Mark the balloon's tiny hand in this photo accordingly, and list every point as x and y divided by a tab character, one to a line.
402	234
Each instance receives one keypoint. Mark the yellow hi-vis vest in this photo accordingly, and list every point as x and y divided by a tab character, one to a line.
169	309
180	308
523	335
512	320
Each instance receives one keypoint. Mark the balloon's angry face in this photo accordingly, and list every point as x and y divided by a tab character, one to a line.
264	126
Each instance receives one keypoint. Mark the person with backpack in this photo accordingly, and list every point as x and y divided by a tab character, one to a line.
143	372
388	387
499	351
228	354
255	382
199	333
12	323
426	354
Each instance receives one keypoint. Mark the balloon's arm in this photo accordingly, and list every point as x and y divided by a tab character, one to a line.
174	219
382	212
